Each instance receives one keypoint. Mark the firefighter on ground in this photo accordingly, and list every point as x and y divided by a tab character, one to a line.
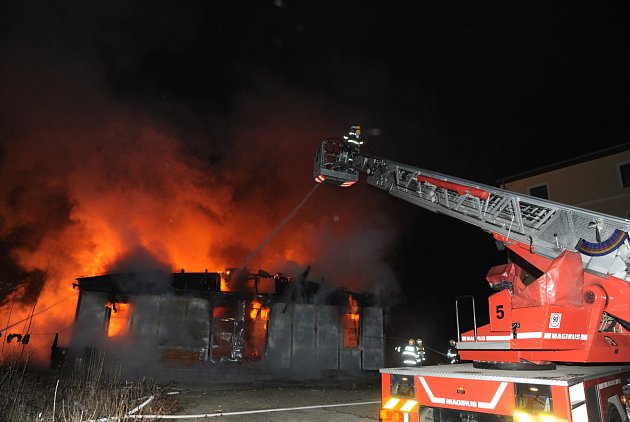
412	353
452	355
421	352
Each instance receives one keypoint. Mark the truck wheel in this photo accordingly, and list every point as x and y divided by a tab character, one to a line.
613	414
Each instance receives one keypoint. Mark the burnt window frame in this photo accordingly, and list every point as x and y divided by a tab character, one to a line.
356	330
130	316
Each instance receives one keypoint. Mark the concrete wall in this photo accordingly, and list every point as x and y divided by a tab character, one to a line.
327	337
146	321
373	338
183	321
165	321
279	336
90	325
300	337
303	336
308	337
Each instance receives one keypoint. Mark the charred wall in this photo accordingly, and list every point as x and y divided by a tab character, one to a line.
304	336
184	327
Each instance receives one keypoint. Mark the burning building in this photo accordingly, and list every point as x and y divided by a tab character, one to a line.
95	182
270	322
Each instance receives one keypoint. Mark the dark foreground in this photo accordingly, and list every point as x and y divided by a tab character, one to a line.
335	399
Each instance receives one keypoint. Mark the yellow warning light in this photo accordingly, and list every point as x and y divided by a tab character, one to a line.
529	417
523	417
393	416
391	403
408	407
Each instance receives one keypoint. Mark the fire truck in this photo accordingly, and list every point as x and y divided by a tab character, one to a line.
556	347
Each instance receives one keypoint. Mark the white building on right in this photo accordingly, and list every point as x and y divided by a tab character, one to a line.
599	181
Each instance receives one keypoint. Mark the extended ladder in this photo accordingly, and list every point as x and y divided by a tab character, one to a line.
548	227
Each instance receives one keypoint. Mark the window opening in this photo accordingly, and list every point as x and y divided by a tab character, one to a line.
541	191
222	336
255	333
118	318
350	324
624	172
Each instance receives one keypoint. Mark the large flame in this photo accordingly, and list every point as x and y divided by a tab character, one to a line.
147	207
87	190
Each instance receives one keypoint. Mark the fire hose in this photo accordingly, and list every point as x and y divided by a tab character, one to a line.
130	415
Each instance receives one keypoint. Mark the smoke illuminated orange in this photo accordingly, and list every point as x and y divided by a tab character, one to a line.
116	192
136	205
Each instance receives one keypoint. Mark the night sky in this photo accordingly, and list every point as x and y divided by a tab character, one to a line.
478	90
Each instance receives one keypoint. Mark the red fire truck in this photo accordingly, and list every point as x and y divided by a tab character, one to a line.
558	338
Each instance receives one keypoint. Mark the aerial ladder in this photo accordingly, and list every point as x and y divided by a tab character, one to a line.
564	295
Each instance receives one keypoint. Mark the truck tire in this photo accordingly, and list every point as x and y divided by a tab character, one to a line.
612	415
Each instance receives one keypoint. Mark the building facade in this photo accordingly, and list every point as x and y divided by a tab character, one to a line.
267	322
598	182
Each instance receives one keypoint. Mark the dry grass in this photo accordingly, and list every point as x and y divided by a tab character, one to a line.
87	392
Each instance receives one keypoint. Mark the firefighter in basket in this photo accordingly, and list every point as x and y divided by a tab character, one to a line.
413	353
353	139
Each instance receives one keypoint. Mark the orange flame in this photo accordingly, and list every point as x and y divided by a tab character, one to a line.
224	281
138	189
259	311
350	324
118	319
353	305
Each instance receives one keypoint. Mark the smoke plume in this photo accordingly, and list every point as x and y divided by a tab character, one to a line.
93	182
